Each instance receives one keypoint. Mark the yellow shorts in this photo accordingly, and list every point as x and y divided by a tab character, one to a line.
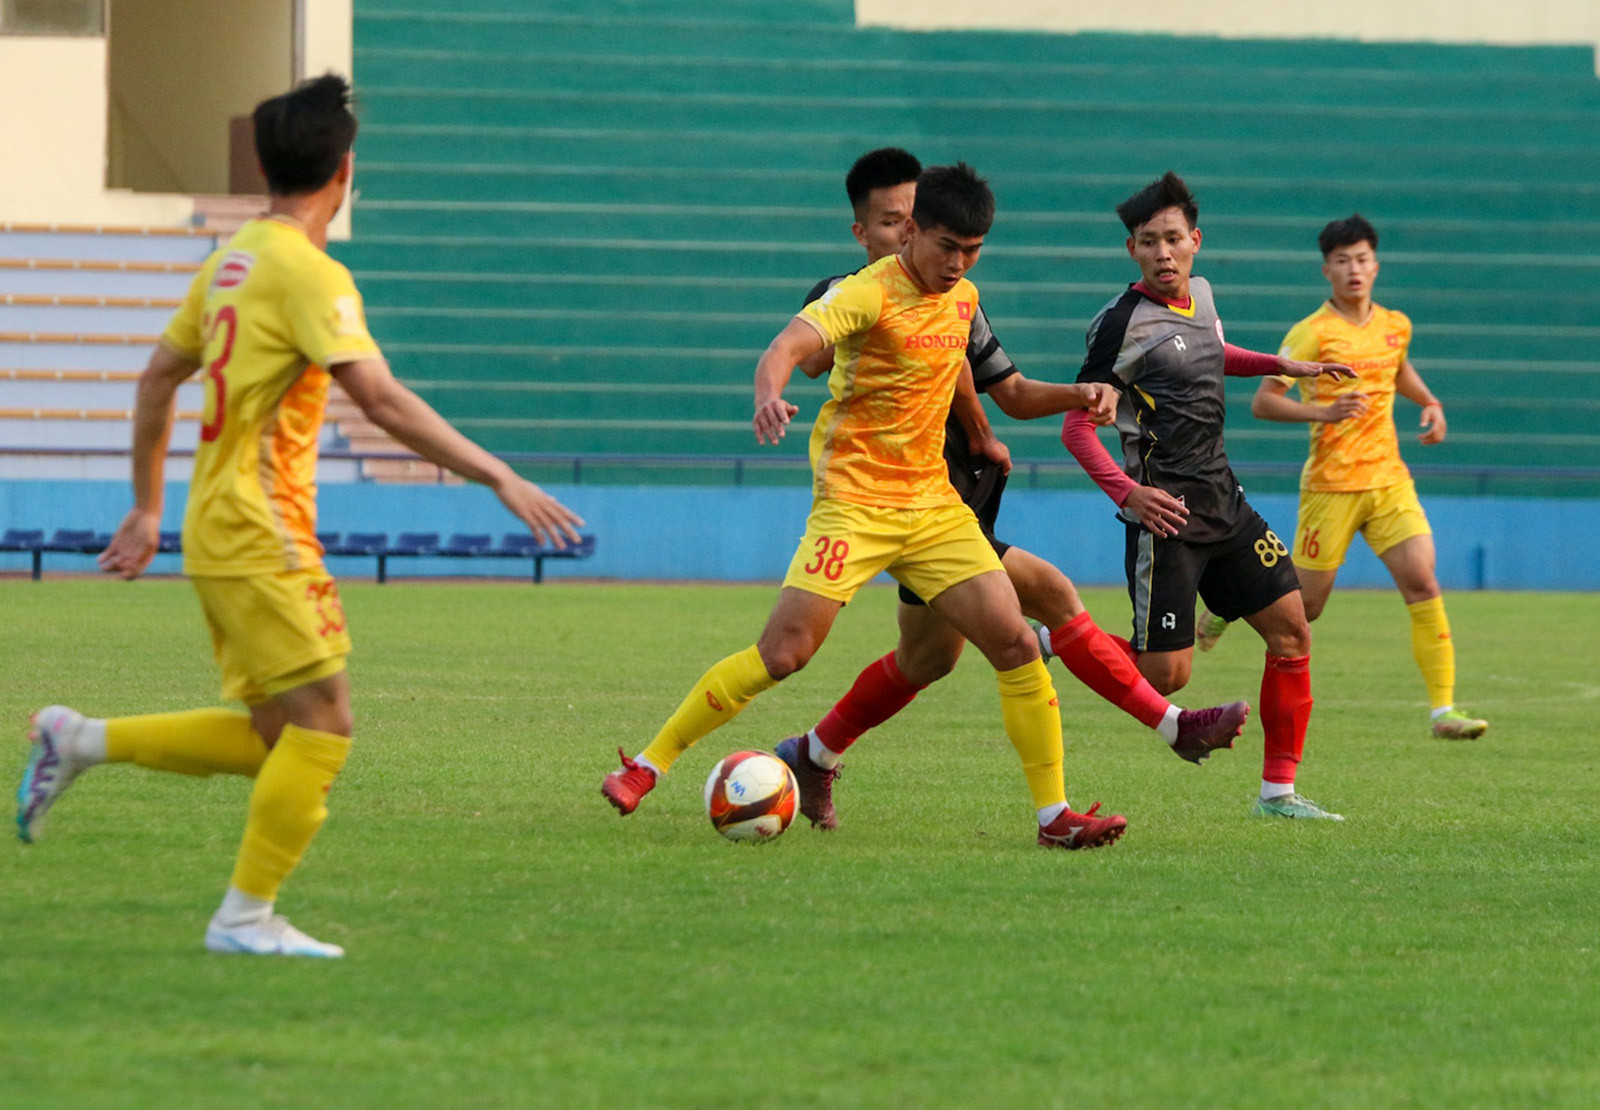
927	550
1330	520
274	632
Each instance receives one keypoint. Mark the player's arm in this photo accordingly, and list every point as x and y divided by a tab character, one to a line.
1272	402
412	421
1240	363
818	364
1409	384
797	342
1023	398
968	411
139	535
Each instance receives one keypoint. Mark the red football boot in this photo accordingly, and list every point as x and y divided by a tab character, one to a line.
1082	830
624	788
1203	731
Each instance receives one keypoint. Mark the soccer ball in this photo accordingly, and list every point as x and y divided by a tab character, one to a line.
751	796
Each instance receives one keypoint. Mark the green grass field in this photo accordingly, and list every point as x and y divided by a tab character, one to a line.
512	943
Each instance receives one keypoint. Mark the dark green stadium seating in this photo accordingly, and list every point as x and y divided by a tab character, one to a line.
579	224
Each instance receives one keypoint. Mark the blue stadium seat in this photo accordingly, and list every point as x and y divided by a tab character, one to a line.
415	543
463	545
171	543
21	539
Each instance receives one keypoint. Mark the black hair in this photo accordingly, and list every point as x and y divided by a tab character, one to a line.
955	198
1347	233
883	168
302	135
1167	191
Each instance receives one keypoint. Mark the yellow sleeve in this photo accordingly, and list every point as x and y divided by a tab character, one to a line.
849	308
1304	345
183	333
325	316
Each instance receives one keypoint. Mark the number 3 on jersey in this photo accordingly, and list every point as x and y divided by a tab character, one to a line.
226	317
830	557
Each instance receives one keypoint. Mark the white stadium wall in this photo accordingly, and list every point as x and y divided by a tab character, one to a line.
1533	22
54	110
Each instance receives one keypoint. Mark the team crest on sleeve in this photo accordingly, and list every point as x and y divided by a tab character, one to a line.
1393	339
347	317
234	269
964	309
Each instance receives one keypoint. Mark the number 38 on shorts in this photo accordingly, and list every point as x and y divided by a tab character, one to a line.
1269	549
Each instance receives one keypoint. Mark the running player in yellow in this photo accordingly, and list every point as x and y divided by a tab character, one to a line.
272	319
884	501
1354	479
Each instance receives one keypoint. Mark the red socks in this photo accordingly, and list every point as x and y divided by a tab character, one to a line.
1102	662
1285	714
879	693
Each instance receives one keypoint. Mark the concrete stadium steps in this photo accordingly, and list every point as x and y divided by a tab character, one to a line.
111	244
775	298
31	277
1096	84
83	389
1038	229
28	351
1574	129
563	210
699	30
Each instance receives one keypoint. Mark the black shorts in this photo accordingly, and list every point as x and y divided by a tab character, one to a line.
1235	577
984	501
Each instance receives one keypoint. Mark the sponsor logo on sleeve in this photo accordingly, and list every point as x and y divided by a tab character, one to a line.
1220	337
347	317
234	269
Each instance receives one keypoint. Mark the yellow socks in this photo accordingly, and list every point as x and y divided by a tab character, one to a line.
1434	651
287	807
200	742
1032	717
716	699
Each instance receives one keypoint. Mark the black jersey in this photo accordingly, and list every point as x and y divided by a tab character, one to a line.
978	480
1167	363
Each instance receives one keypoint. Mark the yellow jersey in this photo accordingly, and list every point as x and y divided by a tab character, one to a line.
879	439
1362	452
264	317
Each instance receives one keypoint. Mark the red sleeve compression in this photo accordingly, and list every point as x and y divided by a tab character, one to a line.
1077	432
1240	363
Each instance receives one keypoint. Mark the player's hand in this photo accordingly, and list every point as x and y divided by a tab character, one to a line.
1344	407
548	519
1432	424
1157	510
1100	402
133	546
992	449
772	420
1294	368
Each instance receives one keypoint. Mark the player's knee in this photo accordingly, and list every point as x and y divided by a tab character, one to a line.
1054	602
1168	680
1292	640
1013	648
927	666
785	658
1314	607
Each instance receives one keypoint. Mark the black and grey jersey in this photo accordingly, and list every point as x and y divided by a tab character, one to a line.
974	478
1167	363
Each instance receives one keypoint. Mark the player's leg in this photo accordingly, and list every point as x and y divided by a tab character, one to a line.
951	563
927	651
985	609
798	624
284	644
843	548
309	724
255	625
1316	586
1326	526
1400	535
1103	662
1254	578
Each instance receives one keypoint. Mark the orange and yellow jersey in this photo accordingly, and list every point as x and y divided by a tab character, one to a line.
1362	452
265	316
879	439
